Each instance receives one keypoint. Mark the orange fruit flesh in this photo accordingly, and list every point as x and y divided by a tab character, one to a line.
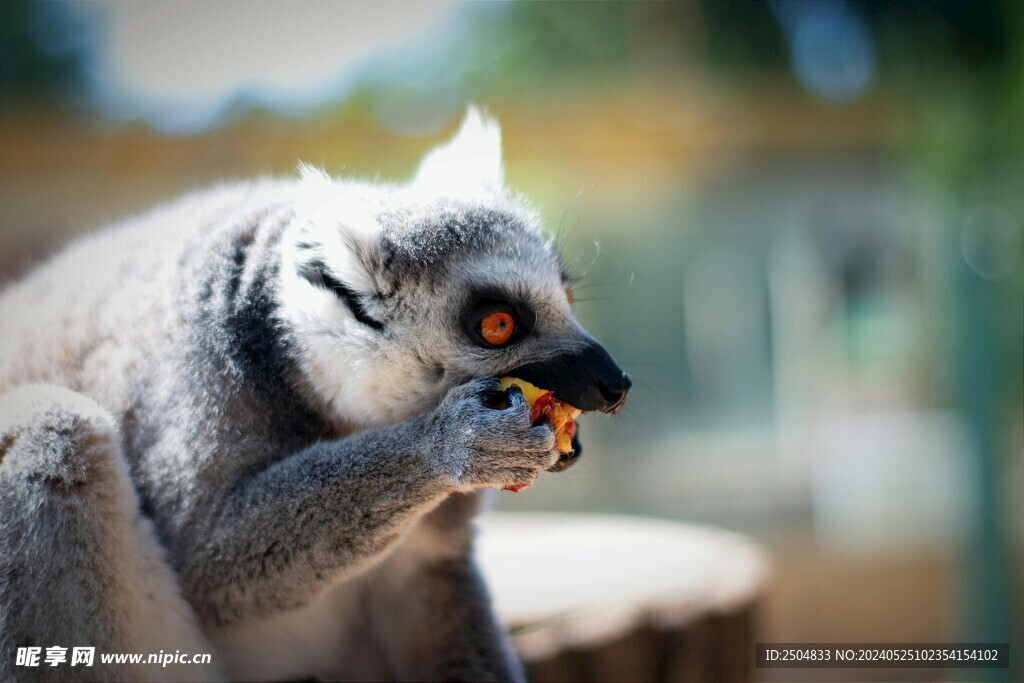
544	406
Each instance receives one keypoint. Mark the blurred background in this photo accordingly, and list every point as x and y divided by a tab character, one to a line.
797	223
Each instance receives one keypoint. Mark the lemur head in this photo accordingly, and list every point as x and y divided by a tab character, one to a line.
395	293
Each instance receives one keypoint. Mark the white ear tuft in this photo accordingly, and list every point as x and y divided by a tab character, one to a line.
308	172
470	161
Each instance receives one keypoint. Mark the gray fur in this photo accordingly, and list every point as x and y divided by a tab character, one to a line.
269	480
80	565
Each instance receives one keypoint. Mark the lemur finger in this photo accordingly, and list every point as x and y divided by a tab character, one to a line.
516	398
502	406
542	459
520	476
538	461
537	440
485	474
540	438
503	399
510	430
505	457
472	391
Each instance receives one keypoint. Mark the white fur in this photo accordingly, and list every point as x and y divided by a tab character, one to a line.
469	163
160	619
334	347
364	384
311	639
328	636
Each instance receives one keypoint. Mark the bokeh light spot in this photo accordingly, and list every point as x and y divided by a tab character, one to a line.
831	51
991	241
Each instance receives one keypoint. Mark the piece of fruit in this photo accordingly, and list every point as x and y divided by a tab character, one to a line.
544	406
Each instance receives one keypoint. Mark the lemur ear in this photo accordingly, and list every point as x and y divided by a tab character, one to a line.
467	163
334	230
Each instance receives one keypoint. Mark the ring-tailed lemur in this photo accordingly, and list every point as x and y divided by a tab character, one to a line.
234	426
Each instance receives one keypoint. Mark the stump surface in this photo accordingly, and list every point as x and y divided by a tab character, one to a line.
614	598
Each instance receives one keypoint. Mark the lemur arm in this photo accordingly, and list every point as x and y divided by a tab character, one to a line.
312	518
328	511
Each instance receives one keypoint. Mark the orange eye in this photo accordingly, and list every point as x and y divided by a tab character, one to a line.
497	328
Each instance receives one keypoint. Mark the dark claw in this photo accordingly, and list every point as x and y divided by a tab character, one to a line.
515	395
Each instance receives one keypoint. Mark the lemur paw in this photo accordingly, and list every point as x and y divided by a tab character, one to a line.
487	438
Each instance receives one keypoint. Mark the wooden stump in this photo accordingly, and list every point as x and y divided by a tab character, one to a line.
611	598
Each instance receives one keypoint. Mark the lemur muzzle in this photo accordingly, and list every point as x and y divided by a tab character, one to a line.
588	379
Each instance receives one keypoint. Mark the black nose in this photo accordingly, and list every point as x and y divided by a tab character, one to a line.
588	379
614	391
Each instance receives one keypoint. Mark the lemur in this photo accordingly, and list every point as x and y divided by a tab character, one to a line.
253	423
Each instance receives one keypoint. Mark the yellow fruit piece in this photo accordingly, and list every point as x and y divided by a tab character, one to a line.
530	392
563	442
561	415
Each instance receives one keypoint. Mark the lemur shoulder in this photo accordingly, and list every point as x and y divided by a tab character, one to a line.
235	424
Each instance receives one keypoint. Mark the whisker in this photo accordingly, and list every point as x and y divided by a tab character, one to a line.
561	234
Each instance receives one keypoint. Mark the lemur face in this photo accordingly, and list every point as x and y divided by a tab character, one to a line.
394	294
